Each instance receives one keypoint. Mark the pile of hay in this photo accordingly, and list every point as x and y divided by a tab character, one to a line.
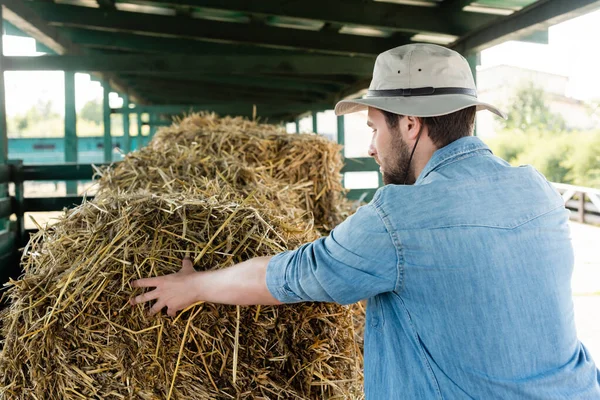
245	154
224	190
70	333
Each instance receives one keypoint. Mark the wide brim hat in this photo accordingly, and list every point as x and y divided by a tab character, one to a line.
420	80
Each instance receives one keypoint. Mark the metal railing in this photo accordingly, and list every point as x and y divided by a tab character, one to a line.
583	202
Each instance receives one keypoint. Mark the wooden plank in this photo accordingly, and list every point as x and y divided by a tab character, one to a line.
130	63
3	128
70	127
540	15
126	120
263	35
26	18
397	17
106	123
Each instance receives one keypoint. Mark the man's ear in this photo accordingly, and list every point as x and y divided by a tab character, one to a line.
412	126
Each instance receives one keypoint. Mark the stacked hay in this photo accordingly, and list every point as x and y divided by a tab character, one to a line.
225	190
70	333
245	154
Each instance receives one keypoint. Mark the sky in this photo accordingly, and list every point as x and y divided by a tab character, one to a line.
571	52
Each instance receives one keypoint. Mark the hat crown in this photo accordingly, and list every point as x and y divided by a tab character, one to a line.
421	65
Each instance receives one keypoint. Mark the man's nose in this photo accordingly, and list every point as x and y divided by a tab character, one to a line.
372	152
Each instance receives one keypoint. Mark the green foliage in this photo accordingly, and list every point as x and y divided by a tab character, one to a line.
92	111
568	157
534	135
41	121
528	110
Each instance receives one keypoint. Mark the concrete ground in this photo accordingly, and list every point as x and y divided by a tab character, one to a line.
586	286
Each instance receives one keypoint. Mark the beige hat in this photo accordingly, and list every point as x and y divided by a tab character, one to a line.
420	80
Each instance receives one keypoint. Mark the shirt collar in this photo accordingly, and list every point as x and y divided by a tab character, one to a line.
451	152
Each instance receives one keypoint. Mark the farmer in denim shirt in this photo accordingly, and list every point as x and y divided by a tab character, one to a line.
465	261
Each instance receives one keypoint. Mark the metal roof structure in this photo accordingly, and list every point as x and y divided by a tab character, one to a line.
286	57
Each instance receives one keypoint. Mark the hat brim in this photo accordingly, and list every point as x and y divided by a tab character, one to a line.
426	106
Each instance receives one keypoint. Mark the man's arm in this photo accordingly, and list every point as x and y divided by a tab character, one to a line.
241	284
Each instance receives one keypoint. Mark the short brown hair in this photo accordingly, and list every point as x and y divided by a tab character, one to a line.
443	129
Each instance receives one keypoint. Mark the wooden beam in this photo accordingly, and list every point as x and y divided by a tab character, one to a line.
110	4
400	17
3	129
231	108
24	16
155	44
161	25
128	63
258	82
70	127
220	91
539	15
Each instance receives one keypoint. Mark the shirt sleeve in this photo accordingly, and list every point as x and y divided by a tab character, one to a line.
356	261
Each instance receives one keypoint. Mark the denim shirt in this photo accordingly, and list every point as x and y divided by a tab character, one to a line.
467	275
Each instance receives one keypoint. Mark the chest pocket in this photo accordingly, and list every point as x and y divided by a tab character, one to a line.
375	318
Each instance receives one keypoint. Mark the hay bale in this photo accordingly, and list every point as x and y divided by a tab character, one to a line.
70	333
245	154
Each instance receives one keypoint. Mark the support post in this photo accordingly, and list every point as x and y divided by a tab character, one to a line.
474	60
314	122
20	199
126	133
106	115
140	142
297	121
3	131
70	127
341	140
152	118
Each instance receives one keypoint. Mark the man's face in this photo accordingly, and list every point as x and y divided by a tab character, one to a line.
390	150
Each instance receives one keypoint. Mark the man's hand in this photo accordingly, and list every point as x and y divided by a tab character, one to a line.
175	291
243	284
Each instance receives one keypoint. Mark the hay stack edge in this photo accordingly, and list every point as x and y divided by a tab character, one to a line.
221	190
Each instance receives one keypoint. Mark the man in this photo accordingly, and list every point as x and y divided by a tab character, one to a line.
466	261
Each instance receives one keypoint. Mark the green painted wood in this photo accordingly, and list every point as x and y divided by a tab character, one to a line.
365	195
106	122
153	122
231	108
7	243
29	20
140	143
126	121
70	127
4	173
256	34
399	17
315	125
6	207
306	84
341	140
341	130
164	45
540	37
524	22
42	204
202	64
110	4
197	92
474	60
297	122
3	130
59	172
19	199
360	165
